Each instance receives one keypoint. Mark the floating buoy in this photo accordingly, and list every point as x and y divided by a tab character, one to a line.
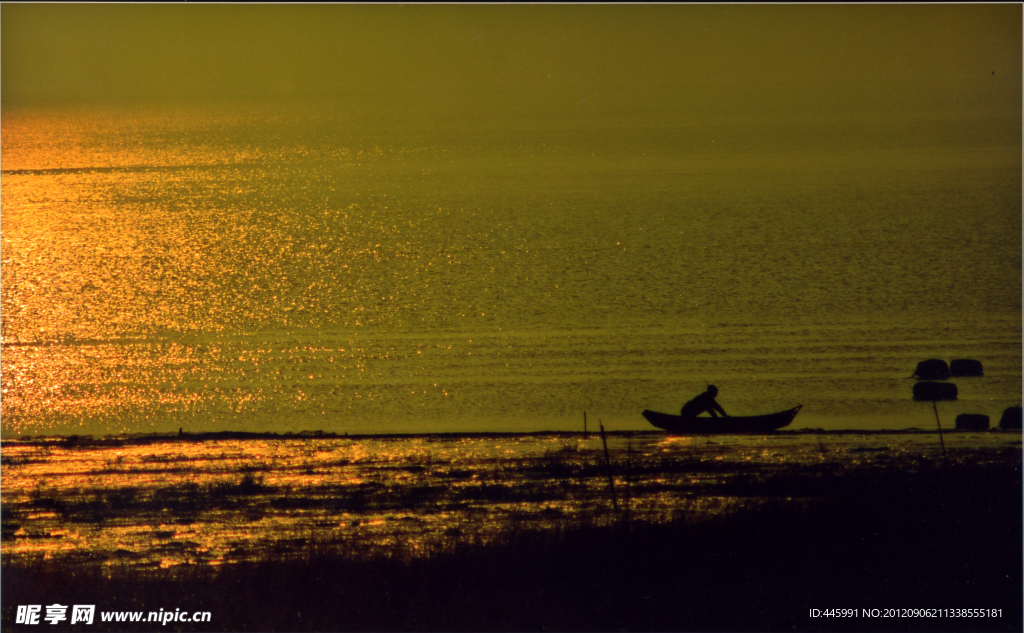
935	391
1011	418
965	367
932	369
972	422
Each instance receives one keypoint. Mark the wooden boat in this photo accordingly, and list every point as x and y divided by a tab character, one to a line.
728	424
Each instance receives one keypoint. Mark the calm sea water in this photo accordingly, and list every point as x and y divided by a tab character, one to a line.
325	266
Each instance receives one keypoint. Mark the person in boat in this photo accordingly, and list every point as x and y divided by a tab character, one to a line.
705	402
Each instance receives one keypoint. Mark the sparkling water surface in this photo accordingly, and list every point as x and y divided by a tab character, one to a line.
300	266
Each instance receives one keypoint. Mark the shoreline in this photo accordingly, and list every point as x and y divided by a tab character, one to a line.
145	438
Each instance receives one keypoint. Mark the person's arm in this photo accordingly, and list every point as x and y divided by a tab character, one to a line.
719	407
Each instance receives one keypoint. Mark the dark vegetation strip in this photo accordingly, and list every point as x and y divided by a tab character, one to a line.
946	537
150	438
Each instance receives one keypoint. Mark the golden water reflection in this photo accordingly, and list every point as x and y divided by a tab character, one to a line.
130	238
158	504
291	266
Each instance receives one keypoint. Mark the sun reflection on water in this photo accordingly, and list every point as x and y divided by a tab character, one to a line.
157	504
286	267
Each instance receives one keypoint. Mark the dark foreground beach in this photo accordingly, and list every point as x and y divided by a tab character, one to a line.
790	531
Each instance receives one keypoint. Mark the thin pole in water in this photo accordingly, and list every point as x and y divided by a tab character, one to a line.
586	436
629	469
608	462
937	423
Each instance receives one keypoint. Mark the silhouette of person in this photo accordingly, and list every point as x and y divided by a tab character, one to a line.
703	402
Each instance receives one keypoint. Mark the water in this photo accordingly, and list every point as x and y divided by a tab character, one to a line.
499	266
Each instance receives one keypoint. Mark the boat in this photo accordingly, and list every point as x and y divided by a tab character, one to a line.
727	424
